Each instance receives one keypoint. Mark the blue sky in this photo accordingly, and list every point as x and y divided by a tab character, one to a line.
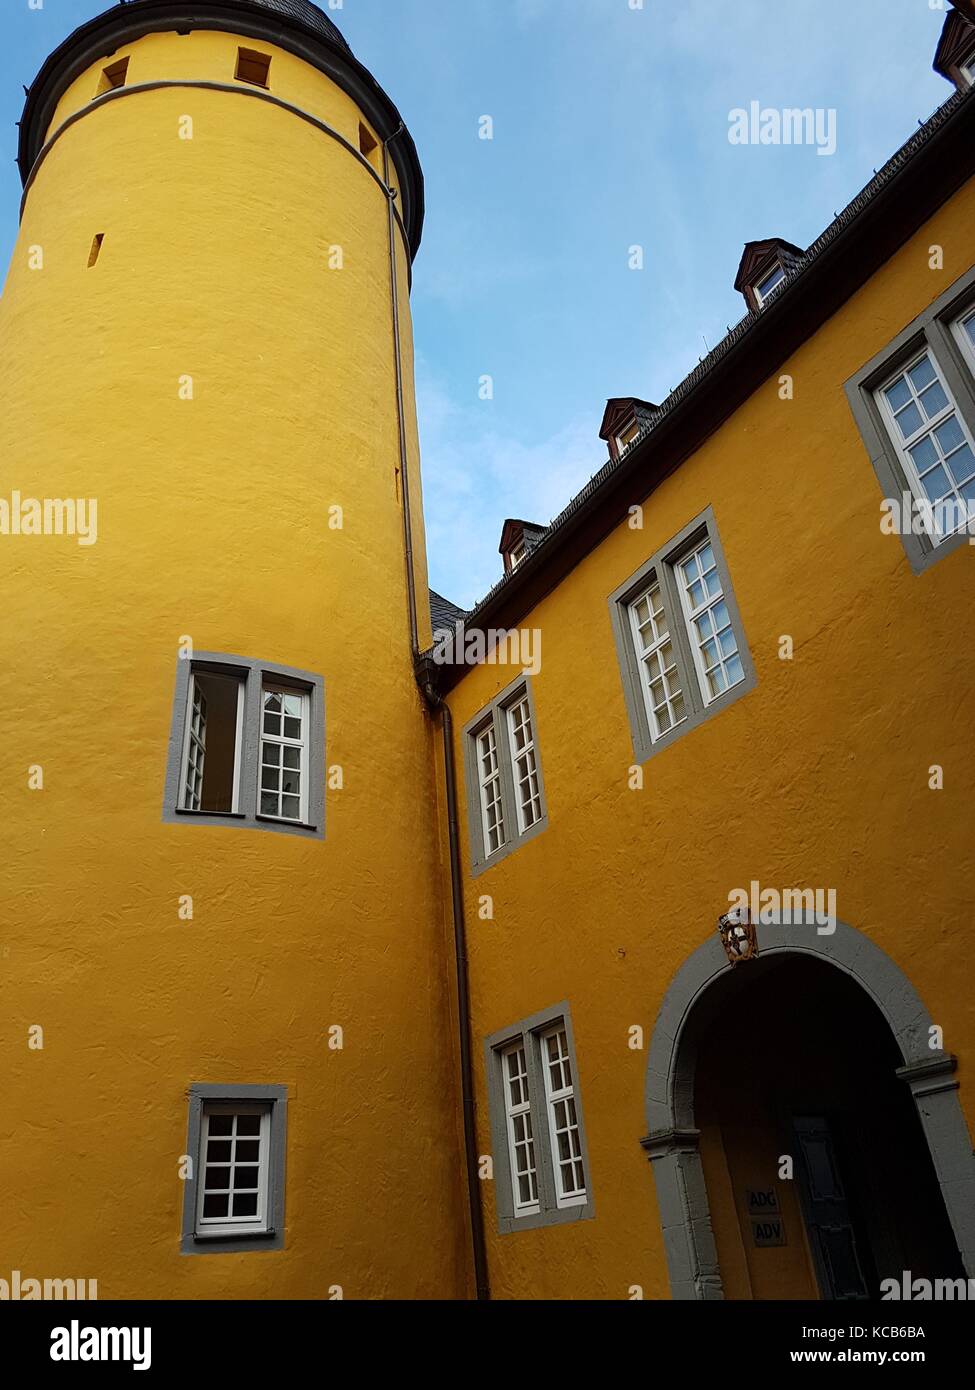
610	130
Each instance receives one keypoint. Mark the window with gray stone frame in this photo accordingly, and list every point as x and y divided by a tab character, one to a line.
679	637
246	746
233	1196
505	792
541	1160
914	405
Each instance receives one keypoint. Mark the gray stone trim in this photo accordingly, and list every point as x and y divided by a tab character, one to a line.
247	817
550	1213
931	328
662	562
495	713
276	1097
671	1142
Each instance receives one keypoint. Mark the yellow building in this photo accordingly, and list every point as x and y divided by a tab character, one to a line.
355	954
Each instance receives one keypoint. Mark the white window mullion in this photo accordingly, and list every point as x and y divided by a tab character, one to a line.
490	790
233	1170
711	632
932	439
194	755
660	679
521	740
521	1138
965	333
283	774
563	1120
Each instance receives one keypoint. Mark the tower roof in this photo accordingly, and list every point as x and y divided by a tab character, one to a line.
296	25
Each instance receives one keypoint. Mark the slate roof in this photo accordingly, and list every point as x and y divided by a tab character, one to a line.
443	613
301	12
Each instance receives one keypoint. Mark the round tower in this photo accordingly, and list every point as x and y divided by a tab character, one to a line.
226	1024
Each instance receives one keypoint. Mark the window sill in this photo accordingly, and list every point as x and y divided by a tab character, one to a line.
211	815
253	1234
293	824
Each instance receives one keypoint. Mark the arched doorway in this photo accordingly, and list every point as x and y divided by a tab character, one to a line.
818	1051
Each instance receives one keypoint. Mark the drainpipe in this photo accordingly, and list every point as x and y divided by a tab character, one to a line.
425	679
400	411
464	1013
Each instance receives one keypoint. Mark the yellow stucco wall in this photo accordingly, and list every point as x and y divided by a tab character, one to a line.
818	777
213	522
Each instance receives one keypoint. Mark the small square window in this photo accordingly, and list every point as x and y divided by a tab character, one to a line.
368	144
253	67
113	77
234	1196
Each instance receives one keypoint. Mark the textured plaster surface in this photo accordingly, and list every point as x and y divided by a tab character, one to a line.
819	778
213	524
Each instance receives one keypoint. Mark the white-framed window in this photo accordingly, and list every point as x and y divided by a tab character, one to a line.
770	283
660	679
932	440
967	69
284	753
538	1137
712	633
679	638
492	795
627	436
506	796
232	1198
528	796
516	554
563	1120
521	1138
964	330
212	743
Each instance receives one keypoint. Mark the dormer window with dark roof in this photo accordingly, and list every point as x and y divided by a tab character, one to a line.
763	270
955	58
624	420
518	540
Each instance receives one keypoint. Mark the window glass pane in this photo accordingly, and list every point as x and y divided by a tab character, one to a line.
922	374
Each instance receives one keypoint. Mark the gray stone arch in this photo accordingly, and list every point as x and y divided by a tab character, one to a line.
672	1144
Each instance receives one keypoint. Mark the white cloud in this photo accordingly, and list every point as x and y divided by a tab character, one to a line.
475	475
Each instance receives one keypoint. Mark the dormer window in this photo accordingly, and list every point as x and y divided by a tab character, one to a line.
763	270
955	58
624	421
518	540
768	284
